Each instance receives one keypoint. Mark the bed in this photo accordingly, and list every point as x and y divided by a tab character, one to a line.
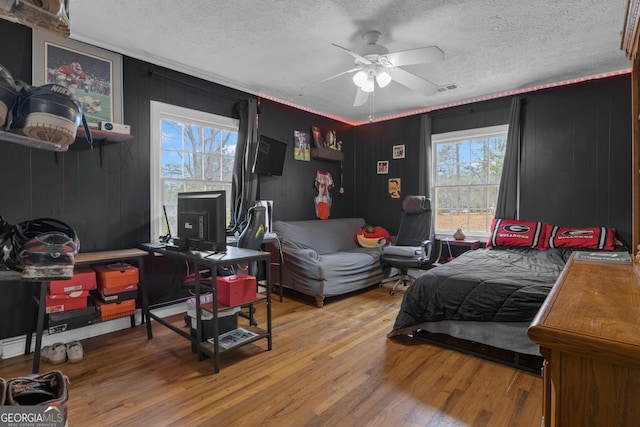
487	297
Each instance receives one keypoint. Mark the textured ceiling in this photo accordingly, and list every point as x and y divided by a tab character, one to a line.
278	49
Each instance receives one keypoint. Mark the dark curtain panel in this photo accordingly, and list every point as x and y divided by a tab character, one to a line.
244	185
508	197
424	184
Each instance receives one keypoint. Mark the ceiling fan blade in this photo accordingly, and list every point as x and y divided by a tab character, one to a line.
422	55
330	77
355	55
413	82
361	98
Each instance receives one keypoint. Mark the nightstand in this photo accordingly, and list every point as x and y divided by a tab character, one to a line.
451	248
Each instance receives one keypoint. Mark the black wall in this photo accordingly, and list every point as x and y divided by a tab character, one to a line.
293	193
576	158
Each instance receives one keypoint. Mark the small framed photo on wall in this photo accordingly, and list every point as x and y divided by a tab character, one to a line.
398	151
383	167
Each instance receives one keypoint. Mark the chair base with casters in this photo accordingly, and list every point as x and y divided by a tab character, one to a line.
403	277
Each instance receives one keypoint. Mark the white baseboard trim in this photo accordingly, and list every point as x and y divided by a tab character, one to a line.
12	347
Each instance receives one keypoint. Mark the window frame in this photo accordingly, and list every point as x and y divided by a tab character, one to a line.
452	137
159	112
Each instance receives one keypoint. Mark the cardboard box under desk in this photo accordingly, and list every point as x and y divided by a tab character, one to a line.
116	275
84	277
236	289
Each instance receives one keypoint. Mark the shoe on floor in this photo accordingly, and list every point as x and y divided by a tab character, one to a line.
54	354
75	353
3	390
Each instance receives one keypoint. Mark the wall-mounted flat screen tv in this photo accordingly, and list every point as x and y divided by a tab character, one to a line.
269	156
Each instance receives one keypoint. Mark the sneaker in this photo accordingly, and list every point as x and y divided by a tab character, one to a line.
48	113
8	95
5	239
54	354
75	353
43	249
49	389
3	390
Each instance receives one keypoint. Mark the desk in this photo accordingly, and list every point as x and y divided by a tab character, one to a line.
81	258
589	334
211	261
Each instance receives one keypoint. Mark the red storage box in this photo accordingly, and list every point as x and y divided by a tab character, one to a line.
83	278
113	311
236	289
65	302
115	275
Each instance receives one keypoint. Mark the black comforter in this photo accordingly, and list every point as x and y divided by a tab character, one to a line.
495	285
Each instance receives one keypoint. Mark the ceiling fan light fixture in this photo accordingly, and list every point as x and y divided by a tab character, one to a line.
368	85
360	78
383	78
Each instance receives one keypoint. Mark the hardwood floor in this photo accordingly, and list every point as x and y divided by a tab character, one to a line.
330	366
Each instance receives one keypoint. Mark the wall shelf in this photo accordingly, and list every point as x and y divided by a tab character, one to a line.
104	136
101	137
16	138
327	154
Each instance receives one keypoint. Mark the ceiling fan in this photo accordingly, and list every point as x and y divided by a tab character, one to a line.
377	65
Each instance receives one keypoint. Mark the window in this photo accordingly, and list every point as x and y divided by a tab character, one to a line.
190	151
467	166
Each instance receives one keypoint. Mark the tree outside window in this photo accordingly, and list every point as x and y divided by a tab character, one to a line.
467	170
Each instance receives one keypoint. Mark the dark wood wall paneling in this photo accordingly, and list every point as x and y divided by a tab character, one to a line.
293	193
375	143
576	159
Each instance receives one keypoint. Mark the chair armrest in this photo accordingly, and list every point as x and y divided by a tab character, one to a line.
301	253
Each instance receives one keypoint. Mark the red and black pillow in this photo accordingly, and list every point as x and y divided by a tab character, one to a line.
540	235
513	232
589	237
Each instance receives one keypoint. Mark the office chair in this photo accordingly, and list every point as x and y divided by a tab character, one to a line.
413	246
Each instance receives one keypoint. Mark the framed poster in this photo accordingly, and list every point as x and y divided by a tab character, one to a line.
398	151
383	167
394	188
93	75
301	149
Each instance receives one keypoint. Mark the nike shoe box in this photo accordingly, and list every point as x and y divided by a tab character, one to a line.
117	294
65	302
72	319
116	275
114	311
84	278
236	289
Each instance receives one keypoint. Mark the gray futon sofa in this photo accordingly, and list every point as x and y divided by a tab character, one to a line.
321	258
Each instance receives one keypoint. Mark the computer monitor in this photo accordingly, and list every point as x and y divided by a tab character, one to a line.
202	221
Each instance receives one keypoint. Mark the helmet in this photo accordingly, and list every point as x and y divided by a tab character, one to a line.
77	68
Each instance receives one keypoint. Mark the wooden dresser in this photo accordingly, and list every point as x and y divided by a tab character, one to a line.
589	334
